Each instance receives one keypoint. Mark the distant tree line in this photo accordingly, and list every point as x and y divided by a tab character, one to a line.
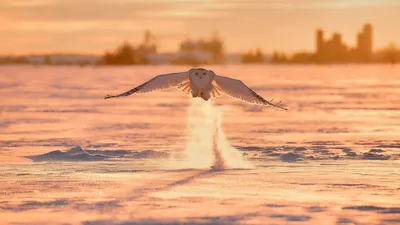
125	54
128	54
256	56
45	60
389	54
14	60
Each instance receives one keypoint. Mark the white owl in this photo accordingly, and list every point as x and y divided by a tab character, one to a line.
201	83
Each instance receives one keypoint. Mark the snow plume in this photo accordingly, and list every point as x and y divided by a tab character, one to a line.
206	144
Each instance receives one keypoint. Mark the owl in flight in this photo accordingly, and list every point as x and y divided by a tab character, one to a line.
201	83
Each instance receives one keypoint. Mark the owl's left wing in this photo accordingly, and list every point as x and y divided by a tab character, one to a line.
163	81
237	89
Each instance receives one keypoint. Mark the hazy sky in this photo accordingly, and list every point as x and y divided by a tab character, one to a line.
92	26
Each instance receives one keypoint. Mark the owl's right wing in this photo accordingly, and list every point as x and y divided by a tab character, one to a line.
160	82
237	89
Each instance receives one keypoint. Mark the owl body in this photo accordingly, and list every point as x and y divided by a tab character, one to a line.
201	83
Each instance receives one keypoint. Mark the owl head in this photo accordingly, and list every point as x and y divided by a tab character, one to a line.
200	77
201	73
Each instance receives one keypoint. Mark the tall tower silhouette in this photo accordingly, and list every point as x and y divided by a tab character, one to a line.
319	37
320	48
364	43
367	30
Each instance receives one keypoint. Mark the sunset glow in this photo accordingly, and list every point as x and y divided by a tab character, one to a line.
199	112
38	26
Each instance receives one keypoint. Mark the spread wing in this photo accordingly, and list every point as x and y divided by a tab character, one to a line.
237	89
160	82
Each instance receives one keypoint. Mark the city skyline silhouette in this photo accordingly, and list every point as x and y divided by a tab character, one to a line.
328	49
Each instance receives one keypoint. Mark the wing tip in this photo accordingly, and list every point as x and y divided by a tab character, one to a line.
108	96
280	107
277	105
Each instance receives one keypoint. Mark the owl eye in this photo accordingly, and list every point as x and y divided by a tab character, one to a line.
197	73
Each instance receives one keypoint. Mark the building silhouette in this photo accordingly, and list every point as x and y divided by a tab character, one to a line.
202	51
335	50
364	43
148	45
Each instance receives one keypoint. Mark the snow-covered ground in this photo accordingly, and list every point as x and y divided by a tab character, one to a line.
332	158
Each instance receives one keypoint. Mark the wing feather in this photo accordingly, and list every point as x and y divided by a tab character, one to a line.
160	82
237	89
215	91
186	89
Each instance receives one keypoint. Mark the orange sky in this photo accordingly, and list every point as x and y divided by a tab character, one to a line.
92	26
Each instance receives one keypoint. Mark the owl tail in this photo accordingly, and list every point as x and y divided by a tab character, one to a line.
213	92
